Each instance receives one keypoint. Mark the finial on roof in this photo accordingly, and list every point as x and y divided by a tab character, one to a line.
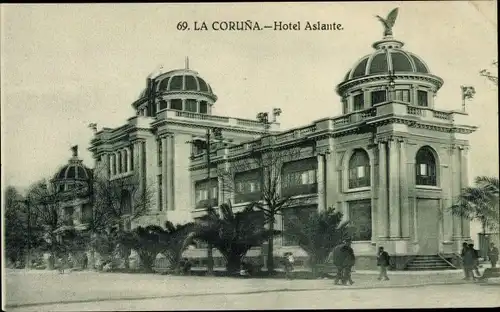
74	149
389	22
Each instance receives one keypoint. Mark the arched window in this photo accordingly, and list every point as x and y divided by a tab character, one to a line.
426	167
359	169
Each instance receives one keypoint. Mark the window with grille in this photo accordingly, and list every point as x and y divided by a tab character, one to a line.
359	169
403	95
299	177
201	190
360	218
247	186
425	167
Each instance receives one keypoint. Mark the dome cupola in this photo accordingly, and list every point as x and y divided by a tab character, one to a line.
73	174
180	89
389	73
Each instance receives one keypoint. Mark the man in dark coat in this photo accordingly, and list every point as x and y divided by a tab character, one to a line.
469	261
383	262
475	266
462	254
349	261
338	261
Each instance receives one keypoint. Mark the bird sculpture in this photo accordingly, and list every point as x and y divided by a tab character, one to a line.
389	22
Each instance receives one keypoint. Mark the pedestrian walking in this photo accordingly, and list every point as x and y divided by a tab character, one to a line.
462	254
85	262
493	255
289	260
475	267
349	261
383	262
469	262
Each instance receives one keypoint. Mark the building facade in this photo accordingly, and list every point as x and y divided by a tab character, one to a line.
392	162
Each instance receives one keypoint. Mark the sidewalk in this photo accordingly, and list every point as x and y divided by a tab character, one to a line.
34	289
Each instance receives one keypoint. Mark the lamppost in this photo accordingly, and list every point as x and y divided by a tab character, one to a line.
214	134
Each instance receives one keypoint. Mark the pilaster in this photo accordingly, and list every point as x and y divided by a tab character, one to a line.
164	173
320	178
170	172
383	211
394	208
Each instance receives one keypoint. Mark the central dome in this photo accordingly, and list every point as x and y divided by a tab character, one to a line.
180	80
387	58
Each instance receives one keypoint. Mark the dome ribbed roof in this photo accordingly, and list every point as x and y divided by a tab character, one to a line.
74	170
180	80
387	58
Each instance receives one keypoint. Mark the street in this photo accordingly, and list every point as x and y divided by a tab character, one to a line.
85	291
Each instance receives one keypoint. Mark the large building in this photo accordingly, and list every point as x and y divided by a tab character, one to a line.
392	162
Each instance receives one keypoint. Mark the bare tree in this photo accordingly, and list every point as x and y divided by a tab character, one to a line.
269	162
113	203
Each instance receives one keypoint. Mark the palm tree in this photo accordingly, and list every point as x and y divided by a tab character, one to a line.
233	234
480	202
172	241
318	235
146	241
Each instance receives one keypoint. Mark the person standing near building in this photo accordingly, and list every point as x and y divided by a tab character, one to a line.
462	254
493	255
338	262
383	261
349	261
475	266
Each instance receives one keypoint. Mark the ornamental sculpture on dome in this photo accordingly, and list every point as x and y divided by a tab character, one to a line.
389	22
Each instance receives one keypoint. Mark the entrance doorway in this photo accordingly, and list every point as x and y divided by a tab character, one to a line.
428	226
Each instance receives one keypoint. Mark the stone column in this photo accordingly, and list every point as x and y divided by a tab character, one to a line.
220	190
331	179
395	213
320	178
456	187
464	182
111	164
366	99
141	164
403	193
373	192
164	172
383	211
414	95
170	172
129	160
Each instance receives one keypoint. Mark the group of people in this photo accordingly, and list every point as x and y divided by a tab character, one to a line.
470	260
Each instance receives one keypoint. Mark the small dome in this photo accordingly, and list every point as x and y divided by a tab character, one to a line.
387	58
180	80
74	170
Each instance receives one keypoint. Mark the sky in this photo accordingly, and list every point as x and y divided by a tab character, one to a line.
65	66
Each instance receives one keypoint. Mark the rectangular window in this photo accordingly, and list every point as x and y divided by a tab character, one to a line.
163	104
403	95
359	102
299	177
422	98
191	106
291	214
378	97
247	186
360	217
176	104
203	107
345	107
201	193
